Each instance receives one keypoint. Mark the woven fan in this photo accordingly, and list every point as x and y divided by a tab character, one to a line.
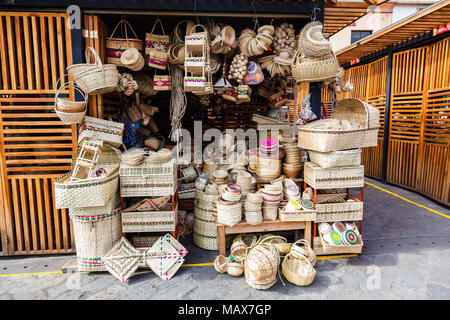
161	265
122	260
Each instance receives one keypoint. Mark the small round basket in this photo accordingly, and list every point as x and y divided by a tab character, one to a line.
302	247
298	270
235	267
239	249
220	264
70	111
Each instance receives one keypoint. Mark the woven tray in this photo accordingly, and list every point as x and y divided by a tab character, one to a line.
303	215
333	249
344	158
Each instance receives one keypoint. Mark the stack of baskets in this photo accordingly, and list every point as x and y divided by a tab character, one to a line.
336	164
268	161
253	208
293	158
94	207
272	195
229	206
205	229
314	60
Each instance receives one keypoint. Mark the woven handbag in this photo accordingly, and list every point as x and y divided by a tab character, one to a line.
162	82
109	131
157	43
116	46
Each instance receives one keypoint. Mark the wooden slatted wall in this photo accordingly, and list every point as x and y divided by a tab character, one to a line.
35	146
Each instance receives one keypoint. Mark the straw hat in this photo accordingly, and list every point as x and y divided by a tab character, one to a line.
228	35
130	56
283	59
267	29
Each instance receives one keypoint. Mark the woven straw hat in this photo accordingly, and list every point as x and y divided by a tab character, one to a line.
312	42
267	29
283	59
130	56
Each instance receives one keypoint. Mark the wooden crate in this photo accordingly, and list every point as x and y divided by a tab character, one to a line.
340	211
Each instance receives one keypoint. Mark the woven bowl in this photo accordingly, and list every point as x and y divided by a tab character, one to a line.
292	173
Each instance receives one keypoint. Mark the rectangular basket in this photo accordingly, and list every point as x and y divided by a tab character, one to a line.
194	84
342	211
186	191
148	180
336	158
79	194
109	131
151	221
335	249
338	177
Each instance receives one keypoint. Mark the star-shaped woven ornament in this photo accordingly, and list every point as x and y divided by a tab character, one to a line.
122	260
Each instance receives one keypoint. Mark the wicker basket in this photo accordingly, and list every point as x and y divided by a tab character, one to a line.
96	78
162	82
343	158
302	247
148	179
158	42
96	230
186	191
229	213
70	111
92	193
195	65
314	69
261	266
204	227
342	211
298	270
151	221
109	131
192	84
116	46
220	263
353	110
335	249
235	267
340	177
253	217
207	243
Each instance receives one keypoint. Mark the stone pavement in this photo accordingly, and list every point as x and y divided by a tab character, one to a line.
406	256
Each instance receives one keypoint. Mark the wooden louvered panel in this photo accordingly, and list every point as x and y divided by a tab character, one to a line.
437	118
33	51
402	162
406	110
440	65
409	71
35	146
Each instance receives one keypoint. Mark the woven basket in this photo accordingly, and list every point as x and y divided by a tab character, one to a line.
314	69
148	179
339	177
96	78
343	211
155	41
162	83
70	111
270	212
351	109
109	132
192	84
228	213
116	46
235	268
207	243
163	220
298	270
302	247
279	242
345	158
311	42
158	59
91	193
204	227
277	100
220	263
300	215
96	230
261	266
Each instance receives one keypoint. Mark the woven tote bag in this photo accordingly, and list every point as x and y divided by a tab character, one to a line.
116	46
157	43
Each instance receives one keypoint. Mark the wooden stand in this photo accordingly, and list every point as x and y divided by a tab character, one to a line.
265	226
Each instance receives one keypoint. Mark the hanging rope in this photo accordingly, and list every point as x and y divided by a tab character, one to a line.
315	10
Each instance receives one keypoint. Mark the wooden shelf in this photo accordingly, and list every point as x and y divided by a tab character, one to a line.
265	226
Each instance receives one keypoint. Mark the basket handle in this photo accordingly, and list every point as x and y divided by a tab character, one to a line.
97	60
160	23
198	25
124	23
301	257
295	57
68	85
176	31
302	241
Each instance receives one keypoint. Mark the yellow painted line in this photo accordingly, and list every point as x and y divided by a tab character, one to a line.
28	274
337	256
198	264
407	200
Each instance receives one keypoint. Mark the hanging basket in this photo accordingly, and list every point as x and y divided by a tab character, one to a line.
96	78
155	41
70	111
116	46
314	69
